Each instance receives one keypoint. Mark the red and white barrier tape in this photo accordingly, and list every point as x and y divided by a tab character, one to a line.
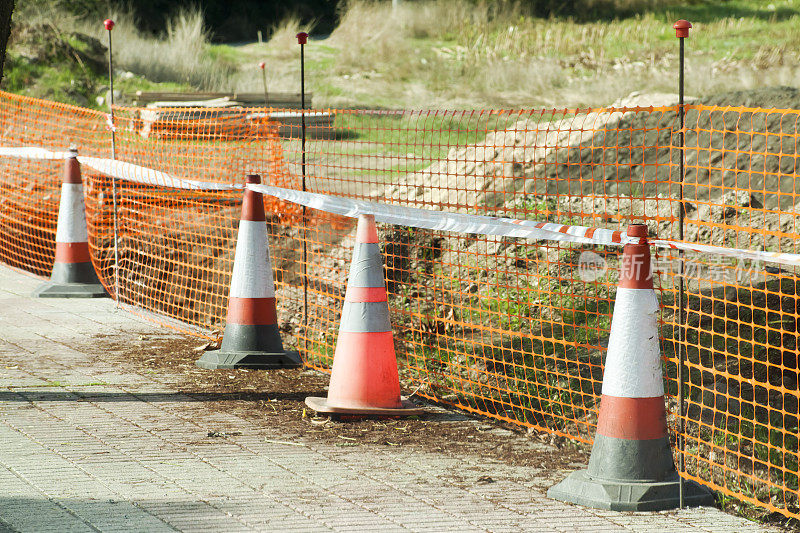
31	152
443	221
406	216
121	170
148	176
507	227
110	123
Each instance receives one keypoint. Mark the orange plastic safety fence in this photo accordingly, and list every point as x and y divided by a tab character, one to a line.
30	188
742	190
510	328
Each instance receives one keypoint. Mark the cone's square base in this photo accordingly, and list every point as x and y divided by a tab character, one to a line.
584	490
50	289
321	405
218	359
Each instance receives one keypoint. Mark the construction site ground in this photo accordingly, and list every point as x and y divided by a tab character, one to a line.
106	425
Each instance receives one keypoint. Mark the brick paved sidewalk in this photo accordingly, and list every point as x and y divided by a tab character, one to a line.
92	447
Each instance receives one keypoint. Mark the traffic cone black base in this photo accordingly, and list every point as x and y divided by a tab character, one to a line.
71	281
580	488
215	360
248	346
406	408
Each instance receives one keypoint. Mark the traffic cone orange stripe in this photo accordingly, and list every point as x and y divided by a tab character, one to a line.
73	275
251	338
367	233
364	377
635	270
632	418
365	294
631	466
252	311
253	202
72	252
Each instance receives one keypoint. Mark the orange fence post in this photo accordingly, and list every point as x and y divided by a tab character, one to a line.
682	28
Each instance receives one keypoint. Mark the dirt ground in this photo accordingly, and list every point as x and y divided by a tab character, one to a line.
277	398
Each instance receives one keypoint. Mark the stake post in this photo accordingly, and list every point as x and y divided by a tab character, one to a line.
681	32
302	39
109	25
262	66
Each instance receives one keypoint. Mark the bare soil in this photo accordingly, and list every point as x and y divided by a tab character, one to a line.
276	399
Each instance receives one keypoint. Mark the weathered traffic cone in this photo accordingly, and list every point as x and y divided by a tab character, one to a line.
364	377
631	466
251	338
73	275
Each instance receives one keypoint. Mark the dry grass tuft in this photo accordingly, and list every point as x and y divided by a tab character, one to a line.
181	55
473	53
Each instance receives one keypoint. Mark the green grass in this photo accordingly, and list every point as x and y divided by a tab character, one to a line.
458	54
421	137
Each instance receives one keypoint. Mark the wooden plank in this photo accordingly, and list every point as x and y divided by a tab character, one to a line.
276	99
228	122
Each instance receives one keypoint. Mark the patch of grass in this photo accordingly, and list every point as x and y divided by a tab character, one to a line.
461	54
183	55
408	142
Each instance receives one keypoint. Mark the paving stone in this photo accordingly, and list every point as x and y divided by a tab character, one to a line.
88	446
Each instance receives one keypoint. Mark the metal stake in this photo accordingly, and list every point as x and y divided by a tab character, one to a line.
302	39
262	66
681	32
109	25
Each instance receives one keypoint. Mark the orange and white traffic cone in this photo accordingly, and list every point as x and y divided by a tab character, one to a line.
73	275
631	466
251	338
364	377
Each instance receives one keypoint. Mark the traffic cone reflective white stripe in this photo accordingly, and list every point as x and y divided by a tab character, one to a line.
251	338
631	466
73	275
364	377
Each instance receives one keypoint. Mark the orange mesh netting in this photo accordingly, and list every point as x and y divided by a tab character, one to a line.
515	329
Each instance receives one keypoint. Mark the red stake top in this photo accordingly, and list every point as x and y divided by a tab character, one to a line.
302	38
262	65
109	24
682	28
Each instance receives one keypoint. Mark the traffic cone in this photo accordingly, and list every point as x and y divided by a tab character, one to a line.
364	378
73	275
251	338
631	466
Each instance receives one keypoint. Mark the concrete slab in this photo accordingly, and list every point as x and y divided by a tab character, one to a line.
101	448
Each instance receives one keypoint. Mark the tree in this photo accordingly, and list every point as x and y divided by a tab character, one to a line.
6	8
